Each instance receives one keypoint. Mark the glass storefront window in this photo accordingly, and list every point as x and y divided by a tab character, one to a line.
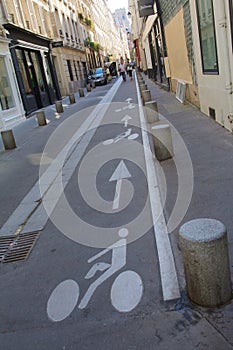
207	36
6	95
39	77
28	84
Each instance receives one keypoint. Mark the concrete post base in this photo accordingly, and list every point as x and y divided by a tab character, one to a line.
72	98
88	87
93	85
143	87
162	140
152	114
59	107
146	96
41	118
8	139
203	243
81	92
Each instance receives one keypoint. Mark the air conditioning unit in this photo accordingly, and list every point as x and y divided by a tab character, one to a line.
180	91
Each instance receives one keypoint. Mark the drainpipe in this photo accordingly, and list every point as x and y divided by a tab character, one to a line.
224	31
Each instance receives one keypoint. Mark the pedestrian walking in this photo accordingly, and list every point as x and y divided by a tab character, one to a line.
122	69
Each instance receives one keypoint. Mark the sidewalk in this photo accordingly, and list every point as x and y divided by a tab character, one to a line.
211	150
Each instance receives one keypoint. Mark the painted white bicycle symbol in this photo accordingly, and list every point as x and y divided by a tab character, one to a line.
126	290
127	134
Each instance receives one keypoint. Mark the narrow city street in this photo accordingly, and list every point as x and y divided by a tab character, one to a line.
102	271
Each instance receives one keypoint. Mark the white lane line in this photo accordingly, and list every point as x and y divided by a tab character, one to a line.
169	280
27	216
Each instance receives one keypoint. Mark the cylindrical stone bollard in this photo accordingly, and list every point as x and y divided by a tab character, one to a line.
8	139
72	98
41	118
143	87
88	87
81	92
203	243
162	140
146	96
59	107
141	81
93	85
152	114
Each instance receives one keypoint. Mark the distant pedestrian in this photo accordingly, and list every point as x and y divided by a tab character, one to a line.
122	69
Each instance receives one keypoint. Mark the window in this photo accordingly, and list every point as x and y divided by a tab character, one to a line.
207	36
70	70
6	96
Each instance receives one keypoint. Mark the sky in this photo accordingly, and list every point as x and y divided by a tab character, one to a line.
117	4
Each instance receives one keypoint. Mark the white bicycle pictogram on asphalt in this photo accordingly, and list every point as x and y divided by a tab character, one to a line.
125	135
126	290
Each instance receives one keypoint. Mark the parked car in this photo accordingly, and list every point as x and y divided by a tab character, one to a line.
98	75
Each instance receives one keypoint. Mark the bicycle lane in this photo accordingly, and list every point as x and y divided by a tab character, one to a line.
107	198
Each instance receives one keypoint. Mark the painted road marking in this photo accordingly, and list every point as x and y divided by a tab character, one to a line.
28	214
129	99
119	174
126	291
126	120
63	300
127	134
169	280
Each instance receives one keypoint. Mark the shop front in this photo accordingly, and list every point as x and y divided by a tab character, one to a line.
11	107
34	69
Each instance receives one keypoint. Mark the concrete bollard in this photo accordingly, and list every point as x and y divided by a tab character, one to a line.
81	92
143	87
93	85
72	99
41	118
203	243
141	81
152	114
146	96
162	140
59	107
8	139
88	87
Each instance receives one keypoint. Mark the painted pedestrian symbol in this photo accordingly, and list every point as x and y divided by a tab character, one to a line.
126	290
125	135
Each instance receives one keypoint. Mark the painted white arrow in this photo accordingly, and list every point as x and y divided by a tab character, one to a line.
119	174
128	100
126	120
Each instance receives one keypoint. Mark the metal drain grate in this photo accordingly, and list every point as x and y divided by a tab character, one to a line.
5	242
18	248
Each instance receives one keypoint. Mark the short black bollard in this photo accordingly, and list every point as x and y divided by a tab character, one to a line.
8	139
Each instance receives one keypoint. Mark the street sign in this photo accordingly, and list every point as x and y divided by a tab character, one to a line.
146	8
57	43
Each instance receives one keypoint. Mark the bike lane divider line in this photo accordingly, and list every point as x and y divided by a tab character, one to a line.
25	215
169	280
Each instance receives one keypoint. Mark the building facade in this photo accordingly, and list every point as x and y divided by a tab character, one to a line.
188	45
11	106
212	26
